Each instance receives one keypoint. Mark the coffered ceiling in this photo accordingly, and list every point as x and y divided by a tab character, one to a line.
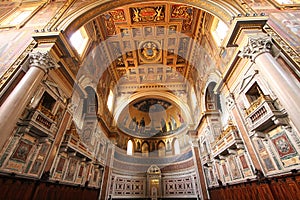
150	53
150	43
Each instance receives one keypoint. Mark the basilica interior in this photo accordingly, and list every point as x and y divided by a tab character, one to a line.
132	99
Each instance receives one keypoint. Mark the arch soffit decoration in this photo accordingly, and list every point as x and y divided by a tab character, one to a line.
221	9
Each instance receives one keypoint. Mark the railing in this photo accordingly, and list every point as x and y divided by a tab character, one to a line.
46	112
72	140
257	102
228	138
41	119
262	113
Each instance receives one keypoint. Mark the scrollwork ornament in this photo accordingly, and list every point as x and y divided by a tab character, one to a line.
43	61
256	46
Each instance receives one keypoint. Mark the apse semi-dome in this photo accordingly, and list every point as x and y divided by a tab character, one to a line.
151	117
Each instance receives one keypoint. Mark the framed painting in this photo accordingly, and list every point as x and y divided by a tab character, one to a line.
22	151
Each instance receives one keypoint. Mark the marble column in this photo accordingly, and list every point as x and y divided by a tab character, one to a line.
10	111
200	172
284	85
106	178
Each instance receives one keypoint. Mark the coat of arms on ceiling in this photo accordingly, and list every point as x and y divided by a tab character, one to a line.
148	14
150	51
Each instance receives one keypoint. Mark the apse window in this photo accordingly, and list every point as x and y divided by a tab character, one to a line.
129	148
219	31
110	100
79	40
176	147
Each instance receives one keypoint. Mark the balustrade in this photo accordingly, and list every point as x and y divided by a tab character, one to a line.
229	138
263	113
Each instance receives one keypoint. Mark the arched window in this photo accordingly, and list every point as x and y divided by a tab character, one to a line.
79	40
176	147
145	149
161	149
219	31
129	148
110	101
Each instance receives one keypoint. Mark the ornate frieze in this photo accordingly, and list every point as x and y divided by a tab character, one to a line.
43	61
256	46
148	14
283	45
15	66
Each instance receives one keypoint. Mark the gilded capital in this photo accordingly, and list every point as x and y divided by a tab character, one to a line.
43	61
256	46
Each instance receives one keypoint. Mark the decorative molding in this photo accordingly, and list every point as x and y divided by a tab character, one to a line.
283	45
241	24
285	5
220	9
58	15
247	79
247	9
16	65
256	46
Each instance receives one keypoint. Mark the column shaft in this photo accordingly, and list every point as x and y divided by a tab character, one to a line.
285	86
16	102
14	105
200	172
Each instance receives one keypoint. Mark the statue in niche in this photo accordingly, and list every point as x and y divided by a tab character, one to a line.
87	135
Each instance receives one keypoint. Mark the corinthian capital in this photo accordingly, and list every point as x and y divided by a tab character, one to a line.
256	46
43	61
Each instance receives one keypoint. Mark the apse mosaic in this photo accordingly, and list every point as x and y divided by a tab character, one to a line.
156	105
151	117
